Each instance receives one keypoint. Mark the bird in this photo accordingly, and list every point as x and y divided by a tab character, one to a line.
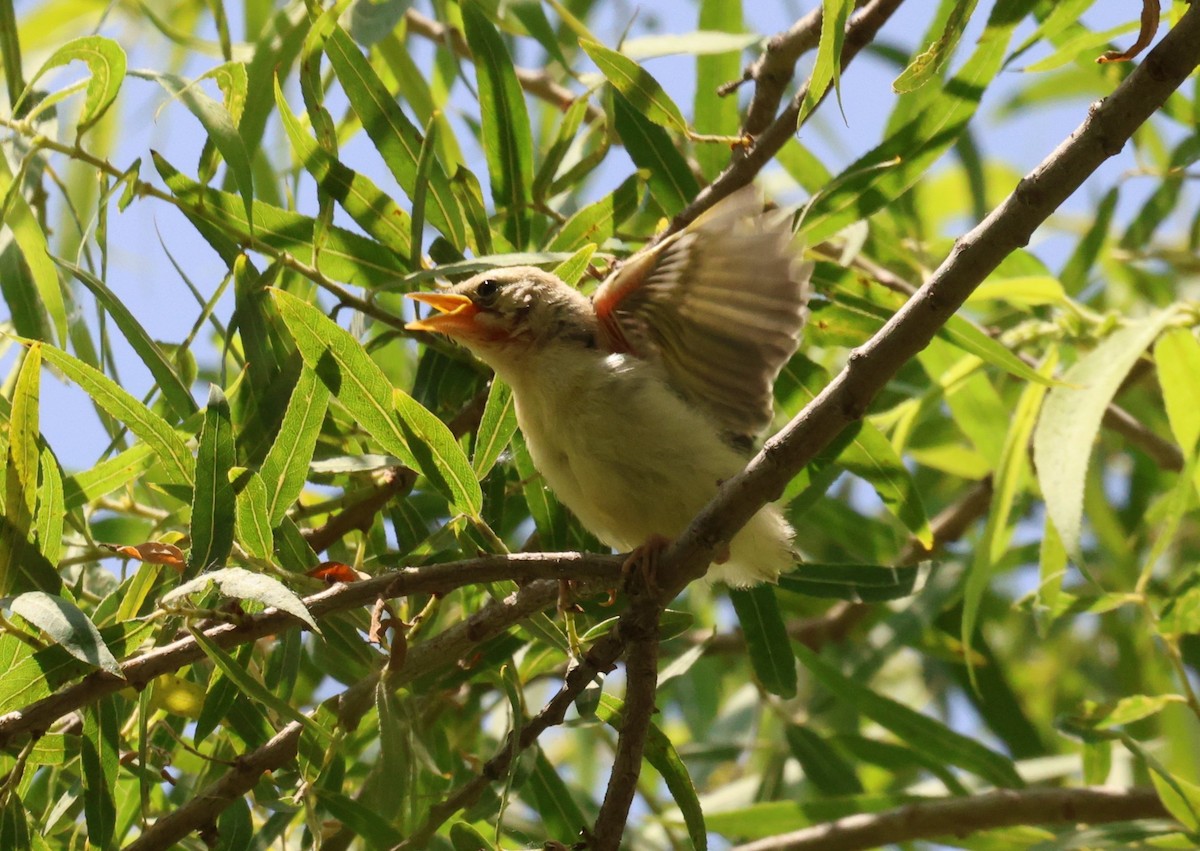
636	403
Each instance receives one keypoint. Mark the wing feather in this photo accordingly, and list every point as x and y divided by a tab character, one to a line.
720	304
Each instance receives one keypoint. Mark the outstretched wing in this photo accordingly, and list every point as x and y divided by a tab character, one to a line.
720	304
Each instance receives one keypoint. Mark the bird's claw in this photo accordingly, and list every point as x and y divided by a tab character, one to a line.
644	561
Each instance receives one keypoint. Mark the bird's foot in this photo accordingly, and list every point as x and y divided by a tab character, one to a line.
644	560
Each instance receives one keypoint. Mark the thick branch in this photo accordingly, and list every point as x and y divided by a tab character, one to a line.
200	813
963	816
1009	227
440	650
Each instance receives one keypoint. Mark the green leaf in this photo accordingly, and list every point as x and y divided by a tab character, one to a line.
548	515
712	114
370	207
552	799
1031	290
396	138
661	754
1070	421
415	436
927	65
99	755
173	389
345	256
14	825
1177	360
885	173
213	501
917	730
496	428
31	241
507	140
50	509
285	467
718	35
767	640
1010	477
364	821
672	184
221	129
595	223
246	585
106	62
641	90
68	627
253	526
251	687
107	476
859	583
823	766
828	66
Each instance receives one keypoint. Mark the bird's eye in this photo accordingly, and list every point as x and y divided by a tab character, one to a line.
487	289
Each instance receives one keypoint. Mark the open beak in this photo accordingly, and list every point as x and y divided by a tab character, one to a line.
455	316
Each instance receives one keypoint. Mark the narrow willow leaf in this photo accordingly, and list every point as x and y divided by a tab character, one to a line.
345	256
711	113
365	821
496	428
68	627
672	184
716	36
661	754
572	270
173	389
917	730
928	64
564	139
1085	42
639	87
107	476
1177	360
552	799
859	583
213	501
595	223
369	206
252	688
1075	271
1010	476
106	62
1070	421
396	138
231	78
828	66
246	585
507	139
533	18
253	526
99	756
31	241
416	436
767	640
823	766
50	508
219	126
548	514
14	822
285	468
1031	290
23	434
864	187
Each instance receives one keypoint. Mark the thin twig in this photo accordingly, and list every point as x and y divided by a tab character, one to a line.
964	816
200	813
443	649
537	83
744	169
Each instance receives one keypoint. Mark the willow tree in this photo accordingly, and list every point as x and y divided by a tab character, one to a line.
303	590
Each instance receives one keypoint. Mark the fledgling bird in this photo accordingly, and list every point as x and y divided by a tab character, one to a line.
638	402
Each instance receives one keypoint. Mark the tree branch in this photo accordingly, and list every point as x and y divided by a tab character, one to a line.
455	643
640	632
745	168
963	816
1105	131
200	813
